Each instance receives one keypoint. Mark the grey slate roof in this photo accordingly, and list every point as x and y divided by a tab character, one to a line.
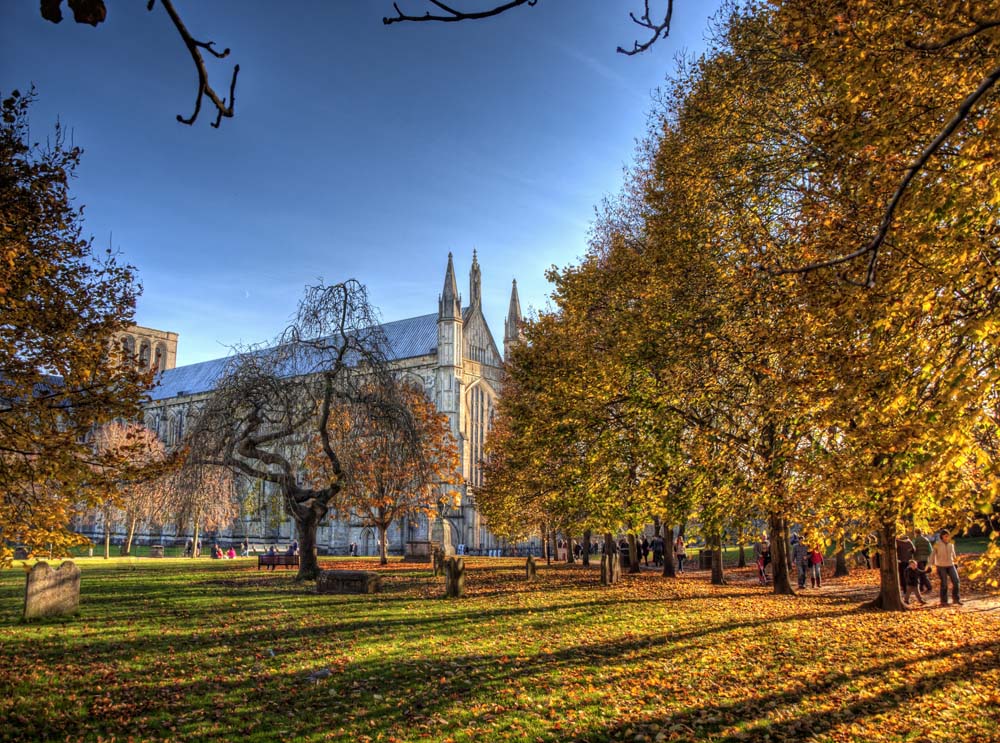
414	336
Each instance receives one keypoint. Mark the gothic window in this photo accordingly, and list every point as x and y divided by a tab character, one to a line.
144	351
480	419
128	347
160	360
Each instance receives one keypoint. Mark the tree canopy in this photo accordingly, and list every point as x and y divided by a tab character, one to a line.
61	376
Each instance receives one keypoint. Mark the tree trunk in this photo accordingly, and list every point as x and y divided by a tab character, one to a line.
107	540
718	574
610	562
779	554
633	554
547	545
553	552
131	534
669	567
382	545
889	597
307	517
743	557
586	547
840	569
194	543
570	557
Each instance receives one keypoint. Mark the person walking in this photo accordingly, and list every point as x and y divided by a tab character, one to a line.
816	567
904	553
800	556
943	558
922	554
913	582
680	553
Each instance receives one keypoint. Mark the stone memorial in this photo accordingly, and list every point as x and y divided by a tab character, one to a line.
418	551
348	581
611	570
156	550
52	593
530	569
454	577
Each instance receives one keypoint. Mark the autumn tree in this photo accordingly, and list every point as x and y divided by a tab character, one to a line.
202	497
388	472
60	308
271	403
137	467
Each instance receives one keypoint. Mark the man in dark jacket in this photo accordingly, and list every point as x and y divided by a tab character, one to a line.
922	554
904	553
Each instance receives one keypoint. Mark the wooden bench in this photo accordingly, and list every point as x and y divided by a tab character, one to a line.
272	561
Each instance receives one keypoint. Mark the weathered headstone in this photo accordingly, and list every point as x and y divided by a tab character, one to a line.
611	570
52	593
438	558
530	568
418	551
156	550
454	577
348	581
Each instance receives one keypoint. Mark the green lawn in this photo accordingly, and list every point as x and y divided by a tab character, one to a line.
217	651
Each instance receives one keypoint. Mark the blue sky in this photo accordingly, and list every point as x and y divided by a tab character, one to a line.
357	150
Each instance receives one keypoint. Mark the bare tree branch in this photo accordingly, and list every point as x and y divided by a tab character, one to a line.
453	15
658	29
873	247
204	87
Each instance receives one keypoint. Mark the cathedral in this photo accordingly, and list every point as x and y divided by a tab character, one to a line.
450	353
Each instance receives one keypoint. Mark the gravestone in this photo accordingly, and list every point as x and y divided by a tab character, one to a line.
52	593
611	570
20	553
454	577
418	551
156	550
348	581
530	569
438	557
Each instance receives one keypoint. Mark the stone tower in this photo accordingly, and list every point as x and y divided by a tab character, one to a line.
512	325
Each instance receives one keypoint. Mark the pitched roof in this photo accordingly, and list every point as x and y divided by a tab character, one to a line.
409	338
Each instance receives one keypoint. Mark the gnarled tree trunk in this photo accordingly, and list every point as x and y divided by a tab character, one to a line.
779	554
889	597
633	554
669	566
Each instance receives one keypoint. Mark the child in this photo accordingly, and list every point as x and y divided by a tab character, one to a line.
913	573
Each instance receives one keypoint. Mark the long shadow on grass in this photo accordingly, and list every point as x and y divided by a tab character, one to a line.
752	712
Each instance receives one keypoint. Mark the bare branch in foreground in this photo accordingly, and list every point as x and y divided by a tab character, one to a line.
204	87
658	29
452	15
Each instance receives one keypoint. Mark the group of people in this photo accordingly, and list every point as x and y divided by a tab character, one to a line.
808	560
917	557
657	548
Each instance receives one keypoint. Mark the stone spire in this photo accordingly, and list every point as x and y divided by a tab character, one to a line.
475	283
512	325
450	302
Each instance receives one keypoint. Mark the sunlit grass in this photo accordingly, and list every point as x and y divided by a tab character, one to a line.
215	650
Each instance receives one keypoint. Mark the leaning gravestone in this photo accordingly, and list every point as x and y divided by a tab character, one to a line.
52	593
348	581
454	577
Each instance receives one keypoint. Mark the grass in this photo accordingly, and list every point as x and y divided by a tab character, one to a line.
217	651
